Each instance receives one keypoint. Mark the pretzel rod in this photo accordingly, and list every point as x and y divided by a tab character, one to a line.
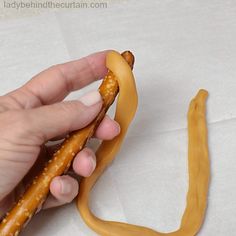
38	191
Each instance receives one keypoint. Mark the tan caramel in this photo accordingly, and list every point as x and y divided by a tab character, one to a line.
199	170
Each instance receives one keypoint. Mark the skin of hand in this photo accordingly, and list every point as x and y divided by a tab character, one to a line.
35	113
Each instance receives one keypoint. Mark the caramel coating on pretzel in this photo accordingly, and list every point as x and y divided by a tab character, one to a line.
199	170
36	194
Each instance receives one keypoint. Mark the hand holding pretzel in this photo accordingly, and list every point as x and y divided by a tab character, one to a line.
35	113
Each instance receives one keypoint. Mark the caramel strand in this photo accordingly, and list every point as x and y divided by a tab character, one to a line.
37	192
199	171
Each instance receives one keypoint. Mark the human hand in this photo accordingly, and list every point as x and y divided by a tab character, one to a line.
35	113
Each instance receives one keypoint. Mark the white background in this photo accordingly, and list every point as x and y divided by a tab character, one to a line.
180	46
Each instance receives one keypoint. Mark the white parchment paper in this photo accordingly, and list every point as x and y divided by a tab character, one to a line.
180	46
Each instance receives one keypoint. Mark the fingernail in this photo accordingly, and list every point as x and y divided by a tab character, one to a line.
91	98
93	163
65	187
117	127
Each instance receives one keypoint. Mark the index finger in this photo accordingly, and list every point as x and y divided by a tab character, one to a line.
55	83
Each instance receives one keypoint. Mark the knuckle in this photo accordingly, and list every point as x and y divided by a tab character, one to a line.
59	70
66	111
72	109
70	106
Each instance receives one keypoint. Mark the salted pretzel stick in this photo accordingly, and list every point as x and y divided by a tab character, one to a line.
37	193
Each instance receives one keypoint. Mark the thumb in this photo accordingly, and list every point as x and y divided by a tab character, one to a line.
49	121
